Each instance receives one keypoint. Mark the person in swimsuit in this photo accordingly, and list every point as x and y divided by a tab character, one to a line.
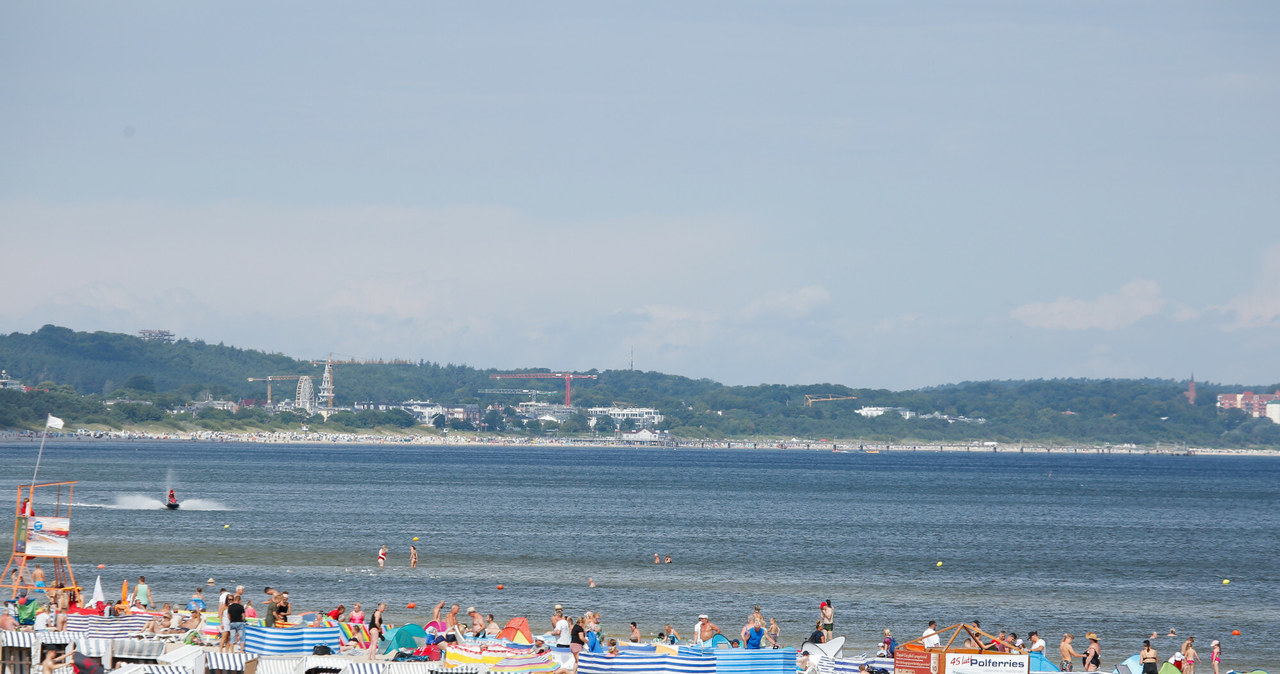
1149	658
1092	658
382	556
357	614
1189	656
413	556
1215	655
828	619
673	637
1068	652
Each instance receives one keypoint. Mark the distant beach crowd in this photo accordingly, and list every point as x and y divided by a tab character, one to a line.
322	437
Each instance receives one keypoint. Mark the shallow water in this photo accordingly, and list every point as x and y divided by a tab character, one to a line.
1121	545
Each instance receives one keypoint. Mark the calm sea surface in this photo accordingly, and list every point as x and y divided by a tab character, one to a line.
1120	545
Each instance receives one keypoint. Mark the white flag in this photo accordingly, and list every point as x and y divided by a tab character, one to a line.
53	422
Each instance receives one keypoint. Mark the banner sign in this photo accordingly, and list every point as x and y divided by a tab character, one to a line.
914	662
47	536
20	535
987	663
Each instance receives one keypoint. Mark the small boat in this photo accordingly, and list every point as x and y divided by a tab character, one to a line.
172	502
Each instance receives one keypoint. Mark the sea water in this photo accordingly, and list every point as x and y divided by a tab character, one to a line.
1122	545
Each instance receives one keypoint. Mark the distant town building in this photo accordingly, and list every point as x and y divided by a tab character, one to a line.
1253	404
1273	411
644	417
6	382
469	413
156	335
644	436
545	411
870	412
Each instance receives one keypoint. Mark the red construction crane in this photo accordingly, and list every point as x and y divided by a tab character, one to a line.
568	379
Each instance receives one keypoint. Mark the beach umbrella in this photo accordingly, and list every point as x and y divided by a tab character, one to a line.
98	596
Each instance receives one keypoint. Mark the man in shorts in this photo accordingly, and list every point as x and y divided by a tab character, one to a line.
235	616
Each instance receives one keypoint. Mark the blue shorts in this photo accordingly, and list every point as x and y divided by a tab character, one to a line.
237	631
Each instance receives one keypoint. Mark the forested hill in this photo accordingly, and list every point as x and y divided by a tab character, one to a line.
105	365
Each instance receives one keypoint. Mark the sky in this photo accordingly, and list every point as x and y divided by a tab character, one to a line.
876	194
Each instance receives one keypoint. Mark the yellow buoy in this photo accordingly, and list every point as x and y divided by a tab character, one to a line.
1226	581
415	538
226	526
939	563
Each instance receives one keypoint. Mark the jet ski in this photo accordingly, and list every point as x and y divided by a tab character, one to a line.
172	502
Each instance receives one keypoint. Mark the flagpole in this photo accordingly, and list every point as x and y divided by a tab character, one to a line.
38	455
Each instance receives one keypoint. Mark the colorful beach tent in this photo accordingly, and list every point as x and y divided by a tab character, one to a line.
409	636
517	631
1169	668
1039	663
1130	665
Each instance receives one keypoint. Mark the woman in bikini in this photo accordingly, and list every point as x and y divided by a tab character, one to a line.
1149	658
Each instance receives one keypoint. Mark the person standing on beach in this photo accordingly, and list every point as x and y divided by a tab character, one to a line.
1149	658
577	639
706	630
269	607
235	611
197	600
382	556
1068	652
673	637
930	635
1189	656
557	616
413	556
142	593
357	614
563	631
491	627
828	619
1093	654
1037	644
477	621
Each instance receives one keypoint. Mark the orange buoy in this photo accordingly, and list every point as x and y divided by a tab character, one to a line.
102	566
499	587
411	605
1235	633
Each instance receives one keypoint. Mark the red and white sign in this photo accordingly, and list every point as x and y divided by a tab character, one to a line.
987	663
914	662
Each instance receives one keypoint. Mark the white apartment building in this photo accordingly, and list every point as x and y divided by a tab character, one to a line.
644	417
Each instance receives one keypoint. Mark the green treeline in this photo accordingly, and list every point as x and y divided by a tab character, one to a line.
81	371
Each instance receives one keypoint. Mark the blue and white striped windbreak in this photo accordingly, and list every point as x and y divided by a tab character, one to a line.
297	640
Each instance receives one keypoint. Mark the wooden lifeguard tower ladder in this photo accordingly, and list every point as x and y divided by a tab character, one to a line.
42	536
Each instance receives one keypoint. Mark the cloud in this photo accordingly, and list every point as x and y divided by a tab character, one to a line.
787	304
1261	306
1138	299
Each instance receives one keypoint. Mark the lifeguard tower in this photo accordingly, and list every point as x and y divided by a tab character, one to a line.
41	524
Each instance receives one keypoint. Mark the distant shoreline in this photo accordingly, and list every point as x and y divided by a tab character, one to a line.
474	440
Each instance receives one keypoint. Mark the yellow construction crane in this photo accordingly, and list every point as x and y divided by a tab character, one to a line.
809	400
276	377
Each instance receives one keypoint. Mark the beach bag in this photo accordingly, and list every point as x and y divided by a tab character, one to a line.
321	649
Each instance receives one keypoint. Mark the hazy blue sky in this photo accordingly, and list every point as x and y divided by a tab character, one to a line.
885	194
